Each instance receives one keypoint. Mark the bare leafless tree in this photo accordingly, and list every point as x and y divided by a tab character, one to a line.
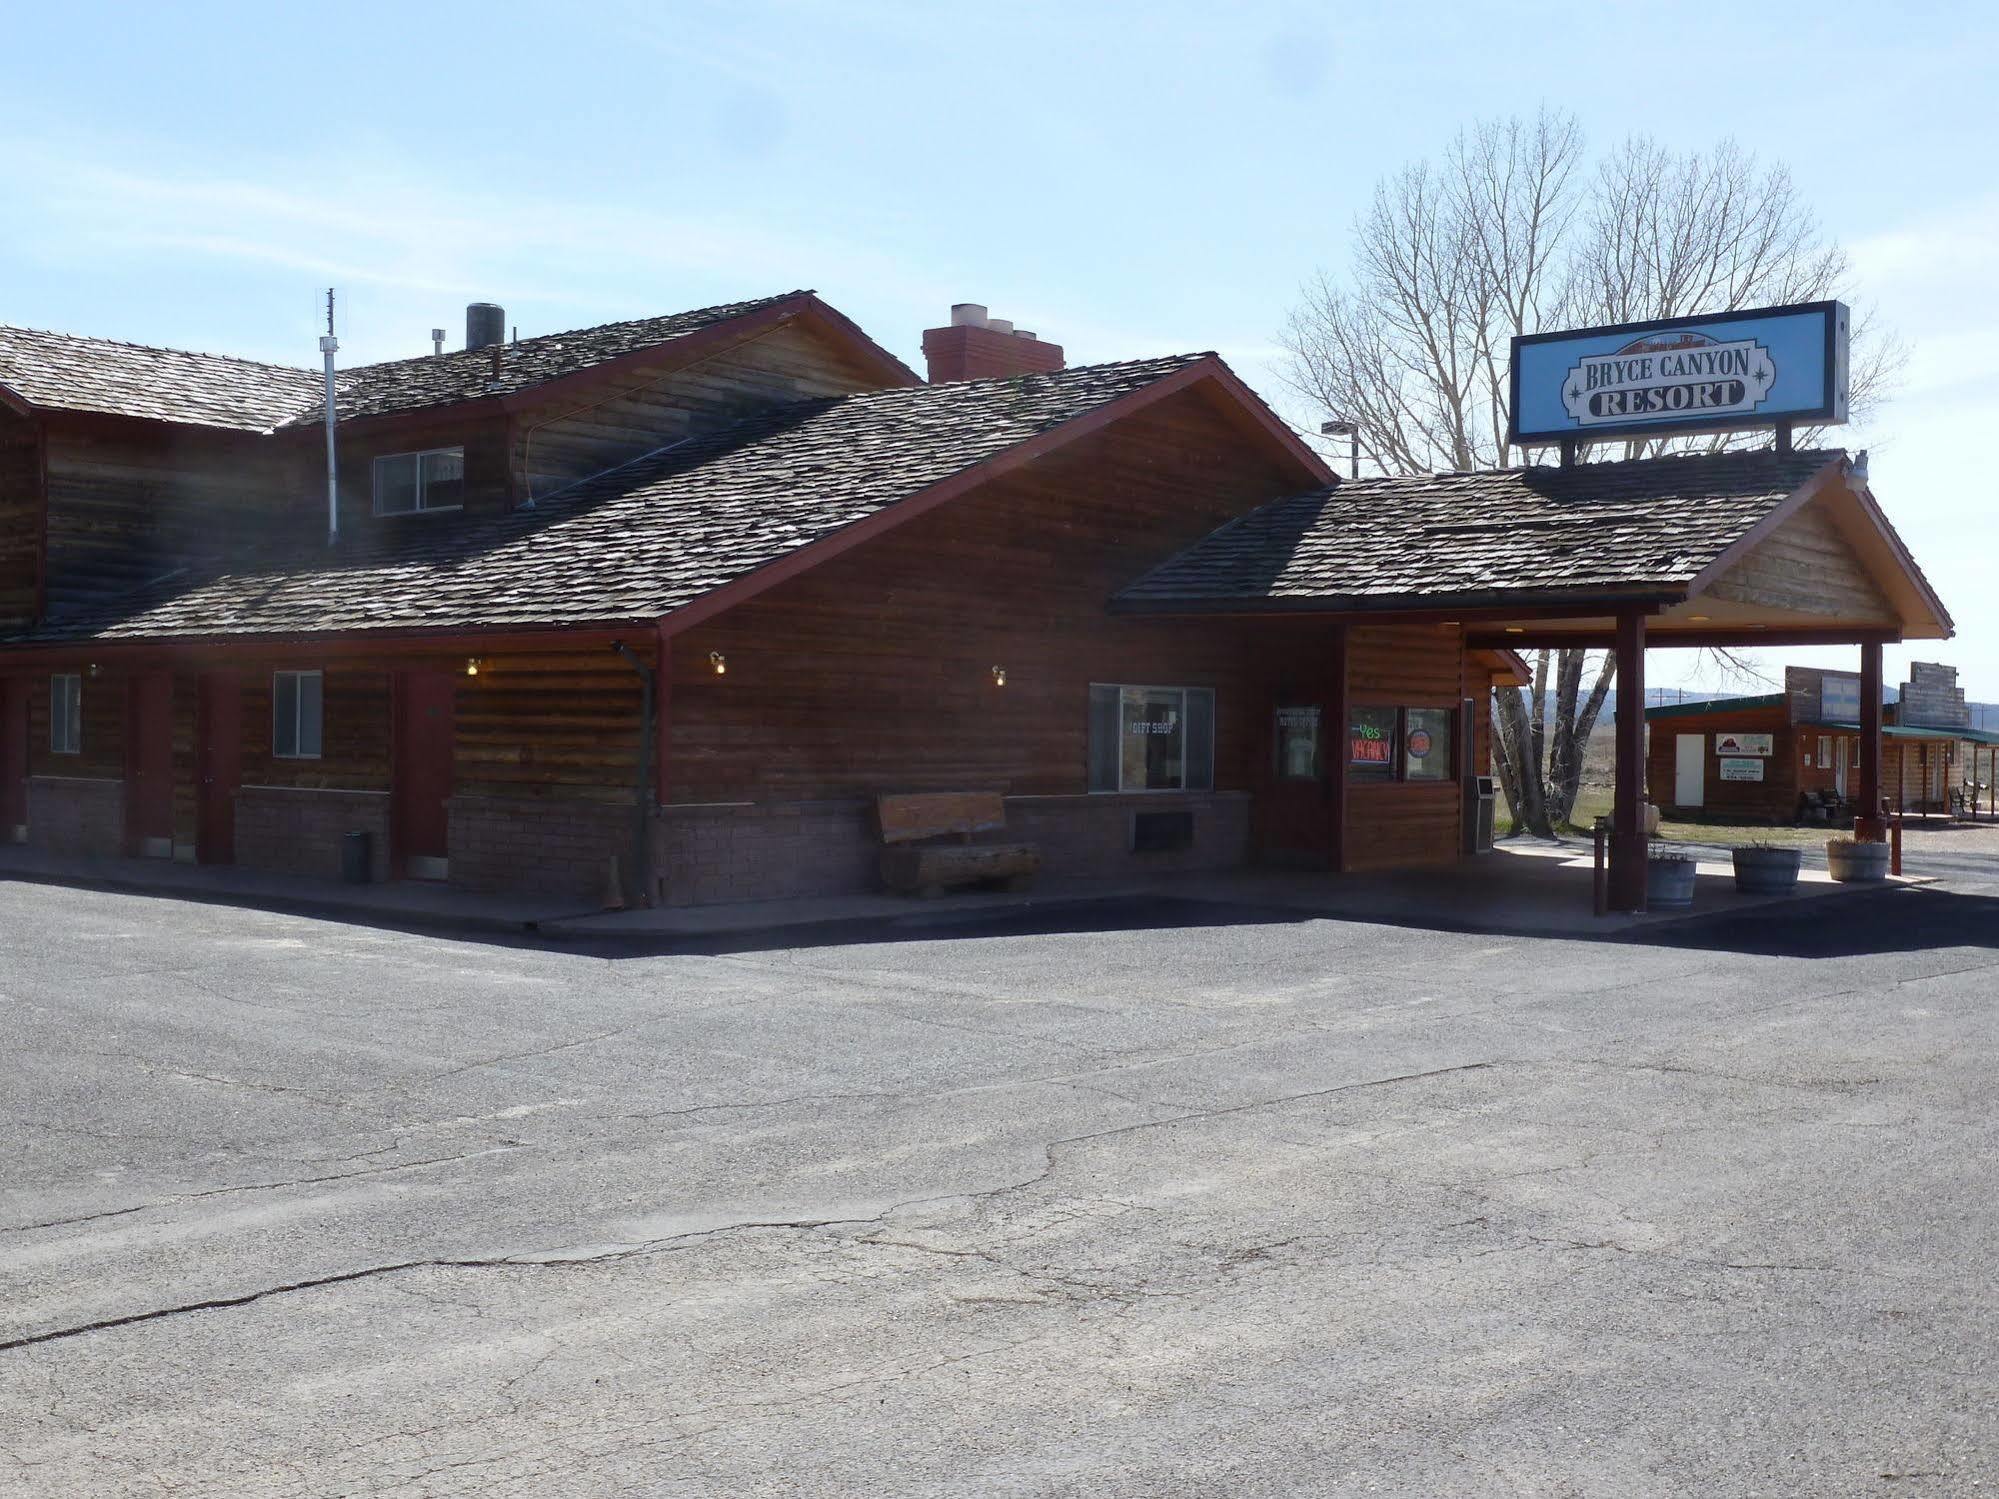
1514	231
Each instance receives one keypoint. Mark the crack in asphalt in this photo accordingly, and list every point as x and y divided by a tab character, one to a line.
558	1260
305	1181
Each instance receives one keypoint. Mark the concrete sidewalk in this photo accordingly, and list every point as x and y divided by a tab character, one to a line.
408	903
1523	888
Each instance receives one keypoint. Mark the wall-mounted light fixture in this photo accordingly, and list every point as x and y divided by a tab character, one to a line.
1699	619
95	671
719	661
472	665
1516	629
999	676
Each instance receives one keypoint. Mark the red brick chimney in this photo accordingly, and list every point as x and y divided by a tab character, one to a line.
976	347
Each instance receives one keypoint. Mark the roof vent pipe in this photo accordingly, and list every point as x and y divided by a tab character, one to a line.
485	323
327	346
437	343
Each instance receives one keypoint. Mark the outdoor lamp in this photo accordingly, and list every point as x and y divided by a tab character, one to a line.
471	666
999	676
1340	427
719	661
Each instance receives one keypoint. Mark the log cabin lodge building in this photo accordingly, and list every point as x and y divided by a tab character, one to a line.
689	592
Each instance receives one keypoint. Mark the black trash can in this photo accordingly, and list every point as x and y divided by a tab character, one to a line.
357	855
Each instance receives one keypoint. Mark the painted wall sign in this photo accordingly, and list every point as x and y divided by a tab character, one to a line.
1720	373
1742	770
1745	744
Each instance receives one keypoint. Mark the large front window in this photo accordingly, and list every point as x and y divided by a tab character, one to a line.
406	483
1400	744
1152	738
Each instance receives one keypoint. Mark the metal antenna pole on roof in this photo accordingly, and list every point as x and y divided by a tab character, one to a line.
327	346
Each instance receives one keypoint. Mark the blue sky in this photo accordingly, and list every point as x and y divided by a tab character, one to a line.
1125	179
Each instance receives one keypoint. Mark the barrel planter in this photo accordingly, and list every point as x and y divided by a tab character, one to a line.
1766	870
1669	882
1857	863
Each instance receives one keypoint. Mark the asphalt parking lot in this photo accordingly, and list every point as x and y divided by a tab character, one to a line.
1136	1201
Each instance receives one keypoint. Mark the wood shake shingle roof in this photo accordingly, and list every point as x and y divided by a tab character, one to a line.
69	372
638	541
1647	525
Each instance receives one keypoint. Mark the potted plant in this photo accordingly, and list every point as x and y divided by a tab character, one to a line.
1767	868
1850	859
1669	879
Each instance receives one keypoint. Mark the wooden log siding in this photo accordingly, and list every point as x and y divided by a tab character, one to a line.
103	753
560	725
1806	567
1401	823
354	728
1772	799
20	518
128	499
483	436
873	672
584	432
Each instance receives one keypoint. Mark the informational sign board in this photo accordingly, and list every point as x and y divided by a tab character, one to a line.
1745	744
1763	367
1839	698
1742	770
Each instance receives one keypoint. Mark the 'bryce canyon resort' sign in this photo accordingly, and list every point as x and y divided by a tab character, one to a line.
1765	367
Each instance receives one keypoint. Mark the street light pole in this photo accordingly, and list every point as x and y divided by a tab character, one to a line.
1351	432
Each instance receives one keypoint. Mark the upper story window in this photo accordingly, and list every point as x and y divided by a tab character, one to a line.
297	714
66	714
406	483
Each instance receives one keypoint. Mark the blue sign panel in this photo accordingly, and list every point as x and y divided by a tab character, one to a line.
1760	368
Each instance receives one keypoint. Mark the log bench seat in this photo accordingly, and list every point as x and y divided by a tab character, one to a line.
913	866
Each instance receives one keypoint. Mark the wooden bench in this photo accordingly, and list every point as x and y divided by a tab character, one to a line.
928	869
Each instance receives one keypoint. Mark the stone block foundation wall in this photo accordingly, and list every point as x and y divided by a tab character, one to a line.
291	830
539	845
710	854
76	815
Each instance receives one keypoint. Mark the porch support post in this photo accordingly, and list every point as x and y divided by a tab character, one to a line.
1868	824
1627	816
1337	747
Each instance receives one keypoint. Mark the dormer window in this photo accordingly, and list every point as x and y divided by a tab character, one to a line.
406	483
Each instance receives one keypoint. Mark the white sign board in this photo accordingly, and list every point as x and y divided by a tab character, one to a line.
1745	744
1742	770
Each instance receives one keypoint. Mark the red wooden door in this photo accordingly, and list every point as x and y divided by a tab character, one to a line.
218	766
149	764
13	756
1296	813
425	730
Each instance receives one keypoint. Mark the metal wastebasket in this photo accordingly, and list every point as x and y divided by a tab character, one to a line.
357	854
1488	795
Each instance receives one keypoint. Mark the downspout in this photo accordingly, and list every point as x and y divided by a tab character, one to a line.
642	788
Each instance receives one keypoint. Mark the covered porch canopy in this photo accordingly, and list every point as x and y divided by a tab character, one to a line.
1739	549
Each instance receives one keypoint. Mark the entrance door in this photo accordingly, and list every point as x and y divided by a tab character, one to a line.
149	766
218	766
1842	752
425	718
1690	770
1295	824
13	758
